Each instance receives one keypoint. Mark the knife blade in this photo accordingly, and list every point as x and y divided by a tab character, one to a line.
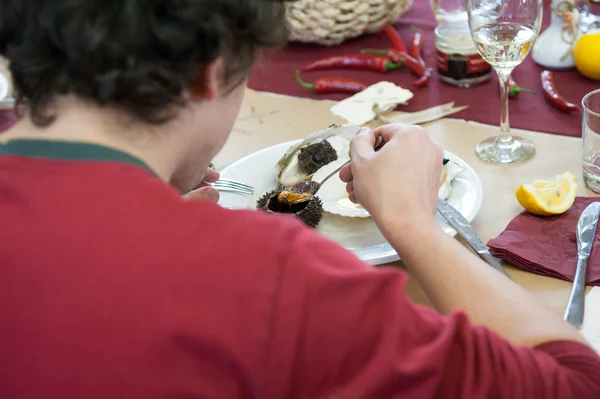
586	232
458	222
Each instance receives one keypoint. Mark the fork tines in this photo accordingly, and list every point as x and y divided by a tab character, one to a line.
233	186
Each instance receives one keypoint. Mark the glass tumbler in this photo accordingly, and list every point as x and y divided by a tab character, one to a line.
591	140
449	11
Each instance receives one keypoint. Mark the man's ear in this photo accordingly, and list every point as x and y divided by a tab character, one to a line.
205	84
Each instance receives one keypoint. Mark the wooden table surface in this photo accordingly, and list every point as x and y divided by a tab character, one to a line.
268	119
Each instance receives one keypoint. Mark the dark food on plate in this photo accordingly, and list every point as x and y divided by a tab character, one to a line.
313	157
288	167
285	202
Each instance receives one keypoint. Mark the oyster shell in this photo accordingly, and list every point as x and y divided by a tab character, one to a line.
334	196
450	171
289	171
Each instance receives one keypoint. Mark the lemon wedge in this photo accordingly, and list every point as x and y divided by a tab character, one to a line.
548	197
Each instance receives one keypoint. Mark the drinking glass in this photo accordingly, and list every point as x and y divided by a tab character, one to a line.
591	140
449	11
504	32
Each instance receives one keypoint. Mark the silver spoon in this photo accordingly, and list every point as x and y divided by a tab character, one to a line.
312	187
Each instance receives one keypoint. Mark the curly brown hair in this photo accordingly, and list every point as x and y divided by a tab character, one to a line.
138	55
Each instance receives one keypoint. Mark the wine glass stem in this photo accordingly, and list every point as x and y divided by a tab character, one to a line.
504	77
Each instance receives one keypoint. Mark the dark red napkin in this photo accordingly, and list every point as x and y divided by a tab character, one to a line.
547	245
7	119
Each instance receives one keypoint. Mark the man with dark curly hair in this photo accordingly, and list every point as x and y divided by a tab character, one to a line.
114	286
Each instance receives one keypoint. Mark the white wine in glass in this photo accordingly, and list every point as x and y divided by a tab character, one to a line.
504	32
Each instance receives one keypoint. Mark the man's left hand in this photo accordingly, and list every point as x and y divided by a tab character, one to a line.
206	191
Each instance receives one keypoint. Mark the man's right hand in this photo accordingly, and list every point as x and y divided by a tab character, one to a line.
398	185
401	180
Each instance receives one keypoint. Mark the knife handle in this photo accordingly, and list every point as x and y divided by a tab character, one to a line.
576	305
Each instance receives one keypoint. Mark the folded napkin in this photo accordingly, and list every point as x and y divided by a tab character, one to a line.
7	119
547	245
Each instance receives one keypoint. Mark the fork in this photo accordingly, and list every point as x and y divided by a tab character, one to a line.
233	186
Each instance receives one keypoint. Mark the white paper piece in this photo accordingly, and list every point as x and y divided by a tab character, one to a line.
4	86
591	321
360	108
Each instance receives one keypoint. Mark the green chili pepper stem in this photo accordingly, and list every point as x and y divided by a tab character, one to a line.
304	84
391	66
374	51
514	90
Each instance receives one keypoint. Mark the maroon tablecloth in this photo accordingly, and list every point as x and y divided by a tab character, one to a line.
7	119
276	74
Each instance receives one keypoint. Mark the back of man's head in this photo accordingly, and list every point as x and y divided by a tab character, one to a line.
138	55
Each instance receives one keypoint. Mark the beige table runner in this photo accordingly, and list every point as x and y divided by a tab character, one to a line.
268	119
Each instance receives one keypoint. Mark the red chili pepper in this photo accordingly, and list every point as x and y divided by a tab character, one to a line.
358	61
417	46
332	85
416	52
394	36
514	89
424	80
405	60
399	57
552	96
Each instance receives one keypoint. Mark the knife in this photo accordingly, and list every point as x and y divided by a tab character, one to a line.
586	231
457	221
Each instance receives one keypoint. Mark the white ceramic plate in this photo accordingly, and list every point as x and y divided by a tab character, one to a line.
359	235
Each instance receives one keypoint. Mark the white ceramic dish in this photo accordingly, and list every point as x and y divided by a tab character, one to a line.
333	193
359	235
335	199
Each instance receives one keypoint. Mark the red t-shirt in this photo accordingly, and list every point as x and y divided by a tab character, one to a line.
111	286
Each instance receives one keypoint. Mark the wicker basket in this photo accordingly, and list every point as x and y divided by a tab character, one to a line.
330	22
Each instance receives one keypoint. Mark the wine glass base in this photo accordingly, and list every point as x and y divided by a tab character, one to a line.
500	150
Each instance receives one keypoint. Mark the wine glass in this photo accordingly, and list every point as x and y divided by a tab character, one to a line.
504	32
